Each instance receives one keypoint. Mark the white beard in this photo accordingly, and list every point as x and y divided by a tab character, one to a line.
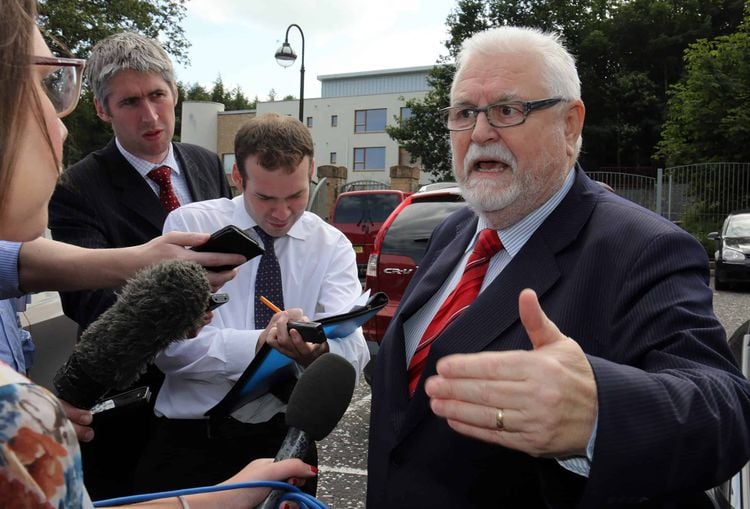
486	195
526	190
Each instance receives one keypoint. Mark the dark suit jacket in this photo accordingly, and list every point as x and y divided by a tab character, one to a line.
103	202
632	289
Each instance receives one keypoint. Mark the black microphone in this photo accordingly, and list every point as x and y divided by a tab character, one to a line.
316	405
161	304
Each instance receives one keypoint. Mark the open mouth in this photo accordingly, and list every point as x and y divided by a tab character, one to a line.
490	166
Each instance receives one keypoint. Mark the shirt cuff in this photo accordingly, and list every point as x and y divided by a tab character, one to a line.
9	286
578	464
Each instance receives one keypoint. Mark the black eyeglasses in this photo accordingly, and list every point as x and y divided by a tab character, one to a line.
63	81
506	114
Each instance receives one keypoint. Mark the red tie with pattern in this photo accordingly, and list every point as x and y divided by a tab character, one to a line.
459	299
162	176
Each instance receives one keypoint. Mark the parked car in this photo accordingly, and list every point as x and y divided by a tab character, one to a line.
400	246
360	214
435	186
733	249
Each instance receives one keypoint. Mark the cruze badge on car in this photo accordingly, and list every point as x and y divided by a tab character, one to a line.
400	272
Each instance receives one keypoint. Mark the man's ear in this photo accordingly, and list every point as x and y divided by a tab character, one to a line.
101	112
175	93
237	178
312	169
574	124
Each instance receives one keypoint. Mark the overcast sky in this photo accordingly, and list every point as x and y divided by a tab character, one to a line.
238	39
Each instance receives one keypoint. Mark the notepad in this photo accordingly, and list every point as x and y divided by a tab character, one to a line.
270	367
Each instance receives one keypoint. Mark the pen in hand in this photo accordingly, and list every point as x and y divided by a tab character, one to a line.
270	305
311	332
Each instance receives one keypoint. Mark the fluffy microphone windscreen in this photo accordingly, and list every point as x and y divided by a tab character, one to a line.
159	305
321	396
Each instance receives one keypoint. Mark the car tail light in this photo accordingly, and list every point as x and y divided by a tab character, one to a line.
372	266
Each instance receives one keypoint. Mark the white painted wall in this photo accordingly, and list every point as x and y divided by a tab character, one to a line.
200	123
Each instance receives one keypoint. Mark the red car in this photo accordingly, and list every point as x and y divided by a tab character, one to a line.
400	246
360	214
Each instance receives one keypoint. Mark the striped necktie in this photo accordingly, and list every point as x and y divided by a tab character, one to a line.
459	299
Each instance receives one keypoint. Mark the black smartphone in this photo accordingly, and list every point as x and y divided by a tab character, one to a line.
217	299
131	398
231	239
311	332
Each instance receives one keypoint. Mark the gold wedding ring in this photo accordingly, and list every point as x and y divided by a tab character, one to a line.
499	419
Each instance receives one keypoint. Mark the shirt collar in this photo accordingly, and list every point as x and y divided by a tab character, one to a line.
142	166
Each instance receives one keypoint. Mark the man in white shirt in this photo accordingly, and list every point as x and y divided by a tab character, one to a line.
318	269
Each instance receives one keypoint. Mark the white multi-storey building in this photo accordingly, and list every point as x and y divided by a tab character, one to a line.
347	123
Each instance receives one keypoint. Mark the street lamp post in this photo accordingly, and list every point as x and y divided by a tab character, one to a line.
286	56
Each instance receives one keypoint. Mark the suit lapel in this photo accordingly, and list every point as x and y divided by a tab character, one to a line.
195	176
134	193
445	261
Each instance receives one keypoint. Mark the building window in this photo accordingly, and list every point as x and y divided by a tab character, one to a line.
369	121
333	157
370	158
405	113
309	121
334	120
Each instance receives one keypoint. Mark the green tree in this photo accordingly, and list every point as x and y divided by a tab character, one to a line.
75	26
80	25
218	95
236	100
708	112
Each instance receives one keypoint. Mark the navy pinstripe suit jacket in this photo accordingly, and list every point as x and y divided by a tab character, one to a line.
632	289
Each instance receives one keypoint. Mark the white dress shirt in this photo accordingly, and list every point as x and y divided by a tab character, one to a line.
319	275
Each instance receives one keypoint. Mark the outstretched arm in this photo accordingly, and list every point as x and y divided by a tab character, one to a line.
46	264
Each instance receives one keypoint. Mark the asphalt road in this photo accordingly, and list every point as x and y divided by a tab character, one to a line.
343	455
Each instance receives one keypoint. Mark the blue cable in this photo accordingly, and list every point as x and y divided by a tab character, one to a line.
291	493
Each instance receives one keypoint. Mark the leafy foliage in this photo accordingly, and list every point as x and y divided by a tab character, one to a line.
708	113
80	25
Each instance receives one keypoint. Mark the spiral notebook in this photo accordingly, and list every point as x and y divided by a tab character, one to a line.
270	367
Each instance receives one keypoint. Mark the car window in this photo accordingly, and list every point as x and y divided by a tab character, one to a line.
369	207
739	226
412	228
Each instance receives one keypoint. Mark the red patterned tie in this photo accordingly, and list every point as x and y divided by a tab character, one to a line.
162	176
459	299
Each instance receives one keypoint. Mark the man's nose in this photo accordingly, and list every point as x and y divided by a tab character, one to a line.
483	131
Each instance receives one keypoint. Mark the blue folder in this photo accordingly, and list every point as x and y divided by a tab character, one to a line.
270	367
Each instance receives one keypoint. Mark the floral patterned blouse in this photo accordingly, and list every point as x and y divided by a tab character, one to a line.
40	461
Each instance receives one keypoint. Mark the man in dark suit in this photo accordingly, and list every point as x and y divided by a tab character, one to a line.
557	346
119	196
